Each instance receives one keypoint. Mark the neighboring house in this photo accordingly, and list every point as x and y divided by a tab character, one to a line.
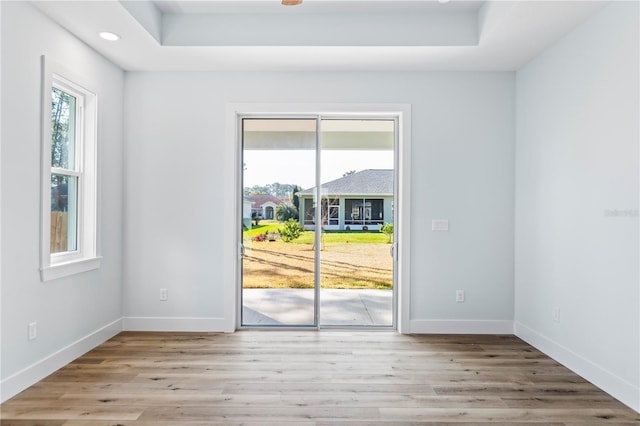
246	212
264	205
363	200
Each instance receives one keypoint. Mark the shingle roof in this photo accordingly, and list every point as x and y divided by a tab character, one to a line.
365	182
259	199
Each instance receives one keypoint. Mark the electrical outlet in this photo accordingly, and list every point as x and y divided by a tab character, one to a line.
556	314
459	296
164	294
33	330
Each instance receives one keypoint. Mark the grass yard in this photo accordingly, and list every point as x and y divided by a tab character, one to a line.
365	237
263	226
346	262
346	237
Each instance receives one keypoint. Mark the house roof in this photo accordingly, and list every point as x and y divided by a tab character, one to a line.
365	182
259	200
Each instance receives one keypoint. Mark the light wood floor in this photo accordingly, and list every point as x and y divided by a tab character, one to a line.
315	378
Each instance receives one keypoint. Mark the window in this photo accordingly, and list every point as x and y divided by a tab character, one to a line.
330	211
69	181
65	173
366	211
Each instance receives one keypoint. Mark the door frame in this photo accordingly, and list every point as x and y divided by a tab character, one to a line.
232	155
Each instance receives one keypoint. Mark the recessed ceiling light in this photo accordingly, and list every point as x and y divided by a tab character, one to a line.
109	36
443	1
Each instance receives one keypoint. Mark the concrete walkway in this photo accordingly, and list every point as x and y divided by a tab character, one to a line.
337	307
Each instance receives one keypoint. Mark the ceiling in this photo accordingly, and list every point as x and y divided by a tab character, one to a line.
312	6
320	35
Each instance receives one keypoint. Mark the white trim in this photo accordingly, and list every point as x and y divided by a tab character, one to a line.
60	270
462	326
1	257
619	388
87	254
209	325
32	374
232	249
231	156
402	221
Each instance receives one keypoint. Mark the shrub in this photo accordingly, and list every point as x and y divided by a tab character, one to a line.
387	230
290	231
286	211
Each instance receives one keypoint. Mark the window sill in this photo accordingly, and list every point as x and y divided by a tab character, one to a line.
60	270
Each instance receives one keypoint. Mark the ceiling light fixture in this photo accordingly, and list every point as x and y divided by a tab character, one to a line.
109	36
291	2
443	1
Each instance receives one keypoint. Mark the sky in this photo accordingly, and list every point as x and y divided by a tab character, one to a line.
298	167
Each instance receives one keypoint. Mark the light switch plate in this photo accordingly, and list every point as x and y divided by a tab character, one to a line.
440	225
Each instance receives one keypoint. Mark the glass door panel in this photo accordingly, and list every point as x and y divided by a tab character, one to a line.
357	195
278	265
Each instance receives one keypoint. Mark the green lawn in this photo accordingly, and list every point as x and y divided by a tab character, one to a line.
367	237
263	226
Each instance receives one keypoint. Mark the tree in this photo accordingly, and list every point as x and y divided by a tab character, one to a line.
290	231
60	115
62	109
294	198
256	189
387	229
285	212
324	216
277	189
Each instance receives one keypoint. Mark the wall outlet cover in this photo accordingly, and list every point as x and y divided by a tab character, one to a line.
33	330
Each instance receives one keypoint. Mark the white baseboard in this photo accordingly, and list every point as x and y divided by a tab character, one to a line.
30	375
210	325
615	386
461	326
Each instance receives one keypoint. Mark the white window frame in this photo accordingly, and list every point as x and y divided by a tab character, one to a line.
86	256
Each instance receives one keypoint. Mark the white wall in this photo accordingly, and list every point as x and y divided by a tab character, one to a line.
462	170
74	313
576	159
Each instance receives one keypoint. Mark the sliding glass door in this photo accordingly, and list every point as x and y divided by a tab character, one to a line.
357	191
278	270
317	221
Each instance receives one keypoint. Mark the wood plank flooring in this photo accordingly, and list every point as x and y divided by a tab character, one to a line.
313	378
